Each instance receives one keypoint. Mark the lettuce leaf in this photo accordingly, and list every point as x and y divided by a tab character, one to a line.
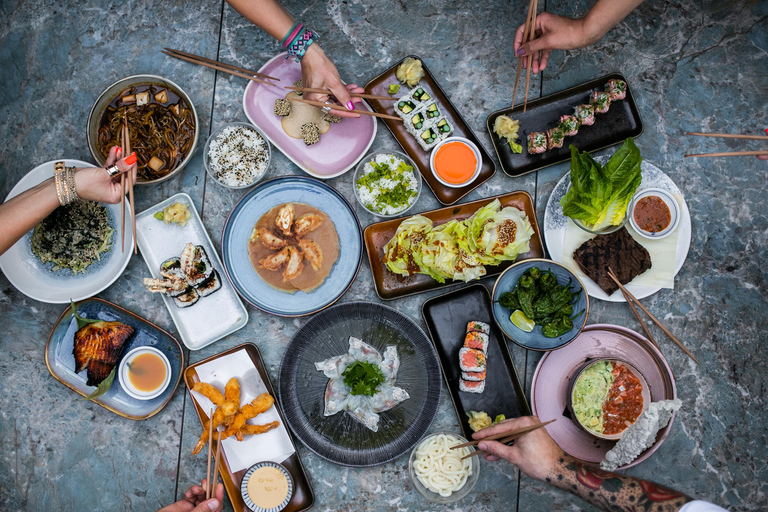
401	254
505	236
599	195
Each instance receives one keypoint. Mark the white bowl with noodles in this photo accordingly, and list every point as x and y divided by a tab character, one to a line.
433	465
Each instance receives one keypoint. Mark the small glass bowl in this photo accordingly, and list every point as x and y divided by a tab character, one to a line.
216	134
359	172
604	231
674	211
125	381
474	465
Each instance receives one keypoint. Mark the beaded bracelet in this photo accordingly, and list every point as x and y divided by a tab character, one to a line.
64	178
291	34
303	41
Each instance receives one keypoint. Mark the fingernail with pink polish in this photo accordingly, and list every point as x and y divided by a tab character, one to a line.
350	105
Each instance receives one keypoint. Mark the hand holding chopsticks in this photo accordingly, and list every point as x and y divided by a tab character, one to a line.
503	437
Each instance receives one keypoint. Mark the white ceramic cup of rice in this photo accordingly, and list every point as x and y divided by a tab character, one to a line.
237	155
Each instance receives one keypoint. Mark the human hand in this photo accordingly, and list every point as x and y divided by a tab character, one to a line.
534	453
552	32
194	501
94	184
318	72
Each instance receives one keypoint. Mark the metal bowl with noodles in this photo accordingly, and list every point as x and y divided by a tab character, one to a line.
162	122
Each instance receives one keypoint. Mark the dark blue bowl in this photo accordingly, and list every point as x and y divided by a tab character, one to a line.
535	340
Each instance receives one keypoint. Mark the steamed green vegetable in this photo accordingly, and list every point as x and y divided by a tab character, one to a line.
599	195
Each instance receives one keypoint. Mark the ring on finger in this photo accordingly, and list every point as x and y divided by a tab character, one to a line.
326	110
112	170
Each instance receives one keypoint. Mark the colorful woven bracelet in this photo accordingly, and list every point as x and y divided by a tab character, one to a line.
298	43
291	33
301	53
296	39
304	41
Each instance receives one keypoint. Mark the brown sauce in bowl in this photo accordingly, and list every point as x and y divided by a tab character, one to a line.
652	214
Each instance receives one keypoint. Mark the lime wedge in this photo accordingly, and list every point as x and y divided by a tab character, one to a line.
521	321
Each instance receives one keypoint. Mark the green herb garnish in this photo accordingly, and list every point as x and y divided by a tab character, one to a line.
82	322
103	386
393	88
363	378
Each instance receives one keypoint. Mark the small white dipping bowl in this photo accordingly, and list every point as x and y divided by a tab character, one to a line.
669	200
474	149
125	381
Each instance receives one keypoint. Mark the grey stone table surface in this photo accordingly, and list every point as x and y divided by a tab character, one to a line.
694	66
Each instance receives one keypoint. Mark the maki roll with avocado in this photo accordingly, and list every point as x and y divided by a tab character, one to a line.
432	111
601	101
417	121
555	138
209	286
537	142
569	125
170	264
420	94
405	106
585	114
195	264
444	128
427	139
616	89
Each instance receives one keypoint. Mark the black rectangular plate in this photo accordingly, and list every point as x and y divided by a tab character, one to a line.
620	122
446	317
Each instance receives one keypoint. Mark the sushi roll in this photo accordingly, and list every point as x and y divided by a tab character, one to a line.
474	376
186	299
555	138
195	264
537	142
475	326
444	128
477	340
416	124
209	286
427	139
170	264
616	89
585	114
405	107
432	111
420	94
171	269
471	360
601	101
471	386
569	125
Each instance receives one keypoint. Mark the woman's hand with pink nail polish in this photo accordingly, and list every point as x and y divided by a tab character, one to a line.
318	72
95	184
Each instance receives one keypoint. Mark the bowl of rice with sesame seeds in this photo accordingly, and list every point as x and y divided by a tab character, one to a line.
387	184
237	155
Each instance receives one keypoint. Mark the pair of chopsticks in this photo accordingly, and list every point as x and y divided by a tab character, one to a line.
126	147
352	94
630	299
503	438
210	485
220	66
731	136
334	106
528	33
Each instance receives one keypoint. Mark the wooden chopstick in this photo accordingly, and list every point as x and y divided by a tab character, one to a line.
520	59
510	433
732	153
219	68
656	320
729	136
510	436
345	109
218	63
210	444
122	196
127	142
215	481
530	57
352	94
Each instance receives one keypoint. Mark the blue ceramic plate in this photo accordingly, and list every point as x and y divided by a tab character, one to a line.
61	362
262	198
535	340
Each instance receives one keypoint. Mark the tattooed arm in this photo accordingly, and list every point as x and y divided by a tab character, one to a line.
537	455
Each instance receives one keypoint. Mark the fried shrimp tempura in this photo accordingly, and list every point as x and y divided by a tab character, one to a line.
259	405
209	392
232	391
250	430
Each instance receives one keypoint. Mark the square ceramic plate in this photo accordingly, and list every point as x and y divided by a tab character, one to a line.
212	317
303	497
61	362
620	122
446	317
391	286
446	195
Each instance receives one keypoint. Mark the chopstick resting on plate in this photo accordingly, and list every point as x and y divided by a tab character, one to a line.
504	437
352	94
220	66
730	136
629	295
333	106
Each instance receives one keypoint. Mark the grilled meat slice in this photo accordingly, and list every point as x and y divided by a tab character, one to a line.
98	347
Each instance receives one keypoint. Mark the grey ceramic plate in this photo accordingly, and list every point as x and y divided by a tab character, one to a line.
61	362
340	438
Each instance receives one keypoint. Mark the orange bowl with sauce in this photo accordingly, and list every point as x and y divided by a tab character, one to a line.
144	373
455	162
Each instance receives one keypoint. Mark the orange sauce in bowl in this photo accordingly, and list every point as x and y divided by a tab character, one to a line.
455	163
147	372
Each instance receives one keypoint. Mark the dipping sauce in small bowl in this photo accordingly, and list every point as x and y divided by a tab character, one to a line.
144	373
455	162
267	487
654	213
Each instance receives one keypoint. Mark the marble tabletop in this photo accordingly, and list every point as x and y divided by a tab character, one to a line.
693	66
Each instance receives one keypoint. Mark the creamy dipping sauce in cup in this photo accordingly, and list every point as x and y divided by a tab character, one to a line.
268	487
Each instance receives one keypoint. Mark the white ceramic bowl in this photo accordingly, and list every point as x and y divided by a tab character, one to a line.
244	487
215	134
669	200
125	382
456	495
359	172
474	149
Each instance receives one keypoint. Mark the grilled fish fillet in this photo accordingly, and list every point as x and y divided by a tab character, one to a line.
98	347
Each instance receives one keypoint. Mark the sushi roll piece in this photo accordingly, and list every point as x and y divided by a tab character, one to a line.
420	94
537	142
195	264
186	299
474	376
310	132
471	360
555	138
616	89
209	286
170	269
170	264
416	123
405	107
475	326
444	128
601	101
585	114
427	139
569	125
432	111
477	340
472	386
282	107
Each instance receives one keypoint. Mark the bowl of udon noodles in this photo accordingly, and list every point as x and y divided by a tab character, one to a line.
162	122
438	472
